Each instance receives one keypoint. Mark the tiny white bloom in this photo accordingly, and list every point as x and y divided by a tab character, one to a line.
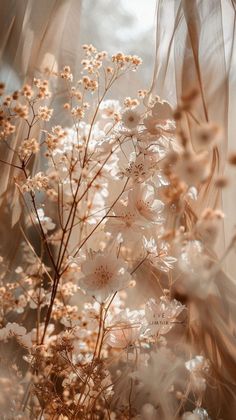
46	222
197	414
195	363
201	413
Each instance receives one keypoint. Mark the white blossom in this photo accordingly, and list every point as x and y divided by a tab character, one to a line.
109	107
125	328
130	119
161	315
46	222
104	274
142	198
125	221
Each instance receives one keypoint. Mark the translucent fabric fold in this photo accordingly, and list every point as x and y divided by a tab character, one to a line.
195	48
35	35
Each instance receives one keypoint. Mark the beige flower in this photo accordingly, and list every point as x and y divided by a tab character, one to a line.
130	119
45	113
125	329
104	274
142	198
161	315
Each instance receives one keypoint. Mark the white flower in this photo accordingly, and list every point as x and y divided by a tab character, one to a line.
142	197
109	108
197	367
25	340
130	119
140	169
194	363
38	297
125	329
13	329
201	413
194	265
149	412
159	257
104	275
45	221
197	414
161	315
38	182
151	124
124	222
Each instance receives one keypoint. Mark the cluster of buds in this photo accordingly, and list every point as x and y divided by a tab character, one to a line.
6	128
93	62
131	103
54	138
76	94
45	113
121	60
78	112
89	49
89	84
43	89
66	74
21	111
38	182
142	93
28	147
27	91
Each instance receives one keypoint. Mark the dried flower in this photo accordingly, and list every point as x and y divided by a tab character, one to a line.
45	113
28	147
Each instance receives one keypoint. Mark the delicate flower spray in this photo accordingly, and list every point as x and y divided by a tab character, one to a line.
103	316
